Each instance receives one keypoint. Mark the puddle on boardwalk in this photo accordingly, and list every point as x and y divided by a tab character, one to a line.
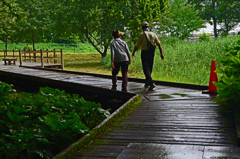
182	95
167	96
164	96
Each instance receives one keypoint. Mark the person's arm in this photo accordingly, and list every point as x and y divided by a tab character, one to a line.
134	50
113	67
128	53
112	55
160	49
137	45
157	42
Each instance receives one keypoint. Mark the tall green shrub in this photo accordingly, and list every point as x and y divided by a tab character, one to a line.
204	36
228	86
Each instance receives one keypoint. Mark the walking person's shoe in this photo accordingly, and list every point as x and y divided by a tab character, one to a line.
146	86
124	89
114	88
152	86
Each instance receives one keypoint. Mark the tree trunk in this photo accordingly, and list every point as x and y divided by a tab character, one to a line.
226	24
214	19
104	54
33	40
6	42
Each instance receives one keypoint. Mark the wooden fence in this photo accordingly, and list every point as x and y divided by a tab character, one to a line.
46	58
6	55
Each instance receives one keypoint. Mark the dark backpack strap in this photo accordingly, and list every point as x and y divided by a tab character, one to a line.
146	36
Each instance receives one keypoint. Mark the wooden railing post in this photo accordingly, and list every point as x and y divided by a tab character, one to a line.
41	51
25	54
47	56
30	57
5	53
54	54
20	57
34	56
62	62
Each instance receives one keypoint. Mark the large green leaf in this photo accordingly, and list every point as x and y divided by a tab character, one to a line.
14	117
238	54
45	141
79	126
52	120
3	122
105	112
218	70
224	93
235	60
74	115
225	68
19	109
227	80
238	86
233	79
67	124
31	122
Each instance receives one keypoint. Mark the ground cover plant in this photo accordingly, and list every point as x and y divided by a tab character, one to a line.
42	124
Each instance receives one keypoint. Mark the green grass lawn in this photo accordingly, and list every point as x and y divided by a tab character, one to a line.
74	48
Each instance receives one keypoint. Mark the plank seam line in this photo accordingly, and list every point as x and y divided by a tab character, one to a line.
147	98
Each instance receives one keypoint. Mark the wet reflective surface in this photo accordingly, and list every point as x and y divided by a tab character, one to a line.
166	151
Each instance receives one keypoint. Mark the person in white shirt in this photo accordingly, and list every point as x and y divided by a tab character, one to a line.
120	57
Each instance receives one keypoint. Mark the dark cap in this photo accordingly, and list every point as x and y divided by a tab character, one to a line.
117	33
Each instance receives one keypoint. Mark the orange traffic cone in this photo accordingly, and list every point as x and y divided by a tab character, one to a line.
213	78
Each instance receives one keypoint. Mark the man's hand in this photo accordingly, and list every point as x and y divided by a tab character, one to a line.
113	67
162	56
134	50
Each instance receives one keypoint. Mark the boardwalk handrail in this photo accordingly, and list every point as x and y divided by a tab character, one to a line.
5	55
27	56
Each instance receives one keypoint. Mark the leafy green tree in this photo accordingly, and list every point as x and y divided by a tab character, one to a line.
95	20
224	12
37	22
139	11
10	14
180	20
207	11
228	14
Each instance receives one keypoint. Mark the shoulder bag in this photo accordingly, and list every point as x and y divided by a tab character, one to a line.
150	45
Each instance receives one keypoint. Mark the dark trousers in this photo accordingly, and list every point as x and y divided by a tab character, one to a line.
124	69
147	58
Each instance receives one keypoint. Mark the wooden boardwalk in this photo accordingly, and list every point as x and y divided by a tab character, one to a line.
168	117
195	122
